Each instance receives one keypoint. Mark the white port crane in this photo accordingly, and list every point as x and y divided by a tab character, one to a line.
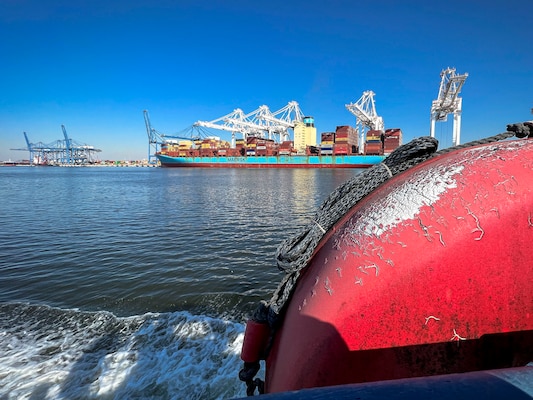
225	123
285	118
260	122
279	122
250	125
366	116
449	102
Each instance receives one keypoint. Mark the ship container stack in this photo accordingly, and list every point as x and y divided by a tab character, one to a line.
240	147
392	140
171	148
211	146
165	148
184	147
374	143
286	148
265	147
346	141
326	143
222	151
251	145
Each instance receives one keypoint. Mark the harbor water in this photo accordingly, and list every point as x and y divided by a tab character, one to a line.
136	282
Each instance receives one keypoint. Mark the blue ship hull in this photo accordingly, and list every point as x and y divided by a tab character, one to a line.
298	161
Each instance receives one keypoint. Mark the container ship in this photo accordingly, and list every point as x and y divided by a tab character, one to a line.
339	149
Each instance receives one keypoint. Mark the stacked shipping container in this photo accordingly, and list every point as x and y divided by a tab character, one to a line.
286	148
392	140
346	141
343	141
374	143
326	143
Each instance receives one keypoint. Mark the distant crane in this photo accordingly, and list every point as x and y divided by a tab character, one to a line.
29	148
366	116
449	102
156	139
65	152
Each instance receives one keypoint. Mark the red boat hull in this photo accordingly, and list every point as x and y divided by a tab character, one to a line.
429	274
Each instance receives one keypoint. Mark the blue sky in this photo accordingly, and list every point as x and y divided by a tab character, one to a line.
95	65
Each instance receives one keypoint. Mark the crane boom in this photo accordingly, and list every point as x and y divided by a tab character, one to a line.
260	122
68	146
155	138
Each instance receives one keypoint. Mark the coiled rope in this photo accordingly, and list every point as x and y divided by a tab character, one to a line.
295	252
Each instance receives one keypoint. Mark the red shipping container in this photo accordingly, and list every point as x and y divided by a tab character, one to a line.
341	149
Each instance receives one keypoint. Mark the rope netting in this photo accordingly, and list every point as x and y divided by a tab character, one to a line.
295	252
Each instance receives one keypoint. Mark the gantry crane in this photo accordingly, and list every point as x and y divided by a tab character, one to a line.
65	152
259	123
156	139
449	102
284	119
366	116
226	123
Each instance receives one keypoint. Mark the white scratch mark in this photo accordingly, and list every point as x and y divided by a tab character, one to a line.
478	228
502	182
339	271
529	220
328	287
425	229
456	337
440	238
431	317
373	266
362	269
358	281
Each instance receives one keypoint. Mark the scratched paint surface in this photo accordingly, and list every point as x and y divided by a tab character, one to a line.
438	256
394	240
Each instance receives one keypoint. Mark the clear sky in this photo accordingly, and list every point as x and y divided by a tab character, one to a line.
95	65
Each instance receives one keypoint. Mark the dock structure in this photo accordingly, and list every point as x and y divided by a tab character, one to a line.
64	152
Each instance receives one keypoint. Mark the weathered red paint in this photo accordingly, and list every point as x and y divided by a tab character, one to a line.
429	274
255	341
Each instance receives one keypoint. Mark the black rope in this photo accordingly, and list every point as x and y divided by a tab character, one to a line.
247	374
